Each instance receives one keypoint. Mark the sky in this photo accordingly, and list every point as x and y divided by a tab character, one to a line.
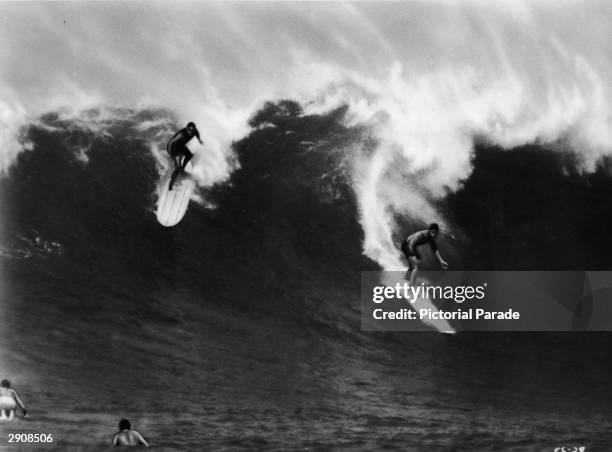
428	77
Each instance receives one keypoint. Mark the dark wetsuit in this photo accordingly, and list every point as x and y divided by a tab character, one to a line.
177	147
409	246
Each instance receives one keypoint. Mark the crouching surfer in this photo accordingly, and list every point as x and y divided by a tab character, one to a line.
410	248
9	401
177	148
128	437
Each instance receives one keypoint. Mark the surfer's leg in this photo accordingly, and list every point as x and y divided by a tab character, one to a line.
176	159
180	166
188	155
173	177
414	266
407	254
410	268
413	276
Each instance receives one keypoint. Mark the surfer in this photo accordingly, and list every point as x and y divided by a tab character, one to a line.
177	148
410	249
128	437
9	400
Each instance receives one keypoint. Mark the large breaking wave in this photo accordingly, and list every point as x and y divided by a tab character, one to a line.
493	120
253	299
428	81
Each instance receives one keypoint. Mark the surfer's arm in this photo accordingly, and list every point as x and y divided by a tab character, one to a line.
443	263
19	402
197	135
141	439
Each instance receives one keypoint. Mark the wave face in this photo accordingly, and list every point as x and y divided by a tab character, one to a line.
428	78
91	195
239	328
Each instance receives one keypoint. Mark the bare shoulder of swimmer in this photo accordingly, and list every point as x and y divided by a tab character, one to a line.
124	438
129	438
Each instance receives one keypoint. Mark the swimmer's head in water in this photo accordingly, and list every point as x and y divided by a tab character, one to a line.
124	424
5	384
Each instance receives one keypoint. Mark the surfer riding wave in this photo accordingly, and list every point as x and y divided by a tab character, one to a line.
410	249
177	148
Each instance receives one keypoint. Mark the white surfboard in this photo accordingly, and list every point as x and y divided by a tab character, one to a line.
172	204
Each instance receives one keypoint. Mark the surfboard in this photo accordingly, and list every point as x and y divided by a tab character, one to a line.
172	204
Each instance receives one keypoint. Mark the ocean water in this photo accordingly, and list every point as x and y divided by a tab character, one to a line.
240	328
